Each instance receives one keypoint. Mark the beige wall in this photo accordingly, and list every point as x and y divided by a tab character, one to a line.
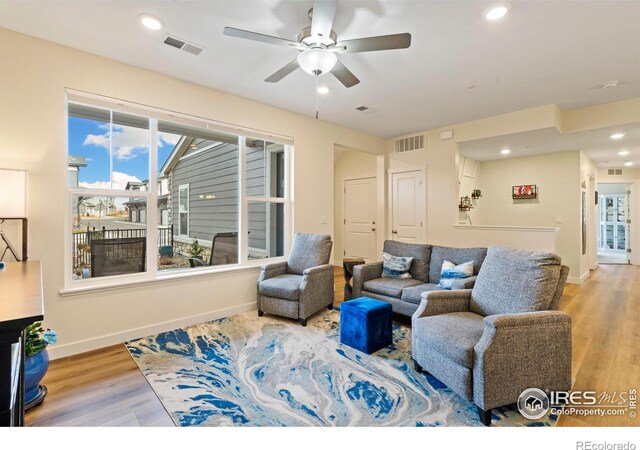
557	177
442	162
33	78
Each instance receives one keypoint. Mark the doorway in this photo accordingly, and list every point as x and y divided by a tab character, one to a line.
614	224
360	211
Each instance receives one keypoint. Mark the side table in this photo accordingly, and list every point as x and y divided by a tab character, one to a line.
347	268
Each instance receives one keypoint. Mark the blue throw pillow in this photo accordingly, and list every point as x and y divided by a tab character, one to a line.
452	272
395	266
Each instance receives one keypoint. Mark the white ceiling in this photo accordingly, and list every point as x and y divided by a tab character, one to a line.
596	144
542	52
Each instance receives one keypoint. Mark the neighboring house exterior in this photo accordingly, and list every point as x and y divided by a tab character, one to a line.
138	207
202	178
93	206
74	164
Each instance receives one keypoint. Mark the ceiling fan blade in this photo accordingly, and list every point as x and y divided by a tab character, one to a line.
376	43
286	70
344	75
322	19
235	32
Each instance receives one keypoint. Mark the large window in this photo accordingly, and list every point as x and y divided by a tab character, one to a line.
151	194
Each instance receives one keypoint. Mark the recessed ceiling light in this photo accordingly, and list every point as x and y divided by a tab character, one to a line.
628	163
496	13
610	84
623	152
505	151
153	23
617	136
323	90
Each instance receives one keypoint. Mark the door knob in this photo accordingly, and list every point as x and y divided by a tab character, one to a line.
395	231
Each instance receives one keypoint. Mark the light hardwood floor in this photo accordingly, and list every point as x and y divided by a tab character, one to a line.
105	387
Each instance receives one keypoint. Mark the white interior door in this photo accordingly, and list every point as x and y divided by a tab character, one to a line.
408	198
360	218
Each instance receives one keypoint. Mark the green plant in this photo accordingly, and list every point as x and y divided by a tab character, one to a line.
195	250
37	338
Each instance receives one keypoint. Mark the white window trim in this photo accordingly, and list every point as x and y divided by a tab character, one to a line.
180	188
153	275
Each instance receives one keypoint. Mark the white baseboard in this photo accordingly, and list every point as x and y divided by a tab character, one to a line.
595	266
576	280
73	348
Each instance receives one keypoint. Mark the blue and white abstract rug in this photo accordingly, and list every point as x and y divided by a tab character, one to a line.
247	370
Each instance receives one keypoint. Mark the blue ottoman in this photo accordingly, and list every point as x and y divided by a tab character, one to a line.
365	324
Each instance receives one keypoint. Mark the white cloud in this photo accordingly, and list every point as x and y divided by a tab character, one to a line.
168	138
128	142
120	181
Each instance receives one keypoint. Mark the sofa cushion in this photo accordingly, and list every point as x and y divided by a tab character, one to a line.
421	254
450	272
309	250
413	294
285	286
515	281
453	335
391	287
456	256
395	266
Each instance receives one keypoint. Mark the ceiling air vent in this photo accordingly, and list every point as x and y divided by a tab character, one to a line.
181	44
362	108
614	171
410	143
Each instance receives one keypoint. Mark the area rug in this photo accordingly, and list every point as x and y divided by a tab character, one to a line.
247	370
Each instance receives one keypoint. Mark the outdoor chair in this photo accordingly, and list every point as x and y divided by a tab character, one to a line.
224	250
118	256
301	286
492	342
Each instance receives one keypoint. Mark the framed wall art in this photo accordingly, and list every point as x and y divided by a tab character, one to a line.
524	191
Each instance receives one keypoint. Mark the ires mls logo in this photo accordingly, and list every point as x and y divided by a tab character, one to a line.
533	403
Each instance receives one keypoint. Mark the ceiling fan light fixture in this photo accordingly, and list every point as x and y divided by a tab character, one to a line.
317	61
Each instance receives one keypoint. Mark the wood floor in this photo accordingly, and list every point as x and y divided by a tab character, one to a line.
105	387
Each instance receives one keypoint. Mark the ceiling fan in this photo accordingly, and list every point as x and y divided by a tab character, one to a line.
318	45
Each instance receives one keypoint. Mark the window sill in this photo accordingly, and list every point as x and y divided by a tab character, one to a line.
112	284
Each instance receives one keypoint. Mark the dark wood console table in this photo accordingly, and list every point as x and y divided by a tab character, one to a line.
20	306
347	270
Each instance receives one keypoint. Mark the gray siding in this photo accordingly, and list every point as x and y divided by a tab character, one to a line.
215	172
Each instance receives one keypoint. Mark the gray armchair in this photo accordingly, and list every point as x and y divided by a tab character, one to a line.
301	286
490	343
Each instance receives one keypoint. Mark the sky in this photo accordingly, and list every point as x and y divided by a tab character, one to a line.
90	139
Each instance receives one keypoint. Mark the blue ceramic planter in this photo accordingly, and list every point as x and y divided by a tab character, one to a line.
34	369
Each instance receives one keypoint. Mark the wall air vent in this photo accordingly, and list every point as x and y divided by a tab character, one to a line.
181	44
614	172
410	143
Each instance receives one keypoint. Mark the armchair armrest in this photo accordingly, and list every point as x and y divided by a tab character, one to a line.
272	270
442	302
316	289
363	273
520	351
464	283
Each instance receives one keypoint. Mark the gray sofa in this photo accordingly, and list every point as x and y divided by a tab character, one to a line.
405	295
490	343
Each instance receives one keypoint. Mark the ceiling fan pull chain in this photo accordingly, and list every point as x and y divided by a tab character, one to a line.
316	96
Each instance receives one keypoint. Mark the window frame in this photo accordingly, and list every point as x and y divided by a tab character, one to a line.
152	274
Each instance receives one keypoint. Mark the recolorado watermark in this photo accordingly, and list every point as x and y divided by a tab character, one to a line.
534	403
588	445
